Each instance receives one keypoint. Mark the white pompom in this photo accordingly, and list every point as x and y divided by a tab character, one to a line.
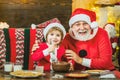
94	25
33	26
114	45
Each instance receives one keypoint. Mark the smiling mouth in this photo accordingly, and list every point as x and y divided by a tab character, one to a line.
55	41
83	32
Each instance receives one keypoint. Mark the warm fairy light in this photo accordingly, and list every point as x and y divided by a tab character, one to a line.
96	9
110	14
118	27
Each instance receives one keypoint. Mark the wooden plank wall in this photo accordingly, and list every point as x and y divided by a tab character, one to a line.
22	13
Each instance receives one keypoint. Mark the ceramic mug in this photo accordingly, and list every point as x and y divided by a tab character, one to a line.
8	66
39	69
17	67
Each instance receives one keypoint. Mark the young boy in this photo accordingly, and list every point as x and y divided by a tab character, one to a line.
47	52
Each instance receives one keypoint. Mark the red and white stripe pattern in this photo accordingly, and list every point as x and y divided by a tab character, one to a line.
2	48
39	35
19	45
39	38
44	24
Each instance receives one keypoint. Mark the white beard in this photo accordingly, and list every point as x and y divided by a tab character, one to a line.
85	37
81	37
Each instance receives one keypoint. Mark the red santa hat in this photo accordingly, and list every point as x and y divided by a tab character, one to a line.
84	15
51	25
109	25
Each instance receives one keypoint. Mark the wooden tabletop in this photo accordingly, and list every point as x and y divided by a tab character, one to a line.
51	76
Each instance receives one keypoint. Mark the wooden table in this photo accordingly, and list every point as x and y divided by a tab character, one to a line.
49	76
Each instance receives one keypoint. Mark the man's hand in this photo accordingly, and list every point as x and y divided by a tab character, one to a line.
73	56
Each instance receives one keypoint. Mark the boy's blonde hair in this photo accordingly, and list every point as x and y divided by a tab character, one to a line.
55	29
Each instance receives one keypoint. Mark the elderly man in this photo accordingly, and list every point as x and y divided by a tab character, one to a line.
88	47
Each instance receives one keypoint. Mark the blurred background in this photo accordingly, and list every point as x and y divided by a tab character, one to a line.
22	13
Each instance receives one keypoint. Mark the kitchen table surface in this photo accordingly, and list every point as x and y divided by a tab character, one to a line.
53	76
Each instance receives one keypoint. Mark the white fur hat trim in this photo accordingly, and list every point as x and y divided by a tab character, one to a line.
47	28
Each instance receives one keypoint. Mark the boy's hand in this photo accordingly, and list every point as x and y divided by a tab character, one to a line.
52	47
